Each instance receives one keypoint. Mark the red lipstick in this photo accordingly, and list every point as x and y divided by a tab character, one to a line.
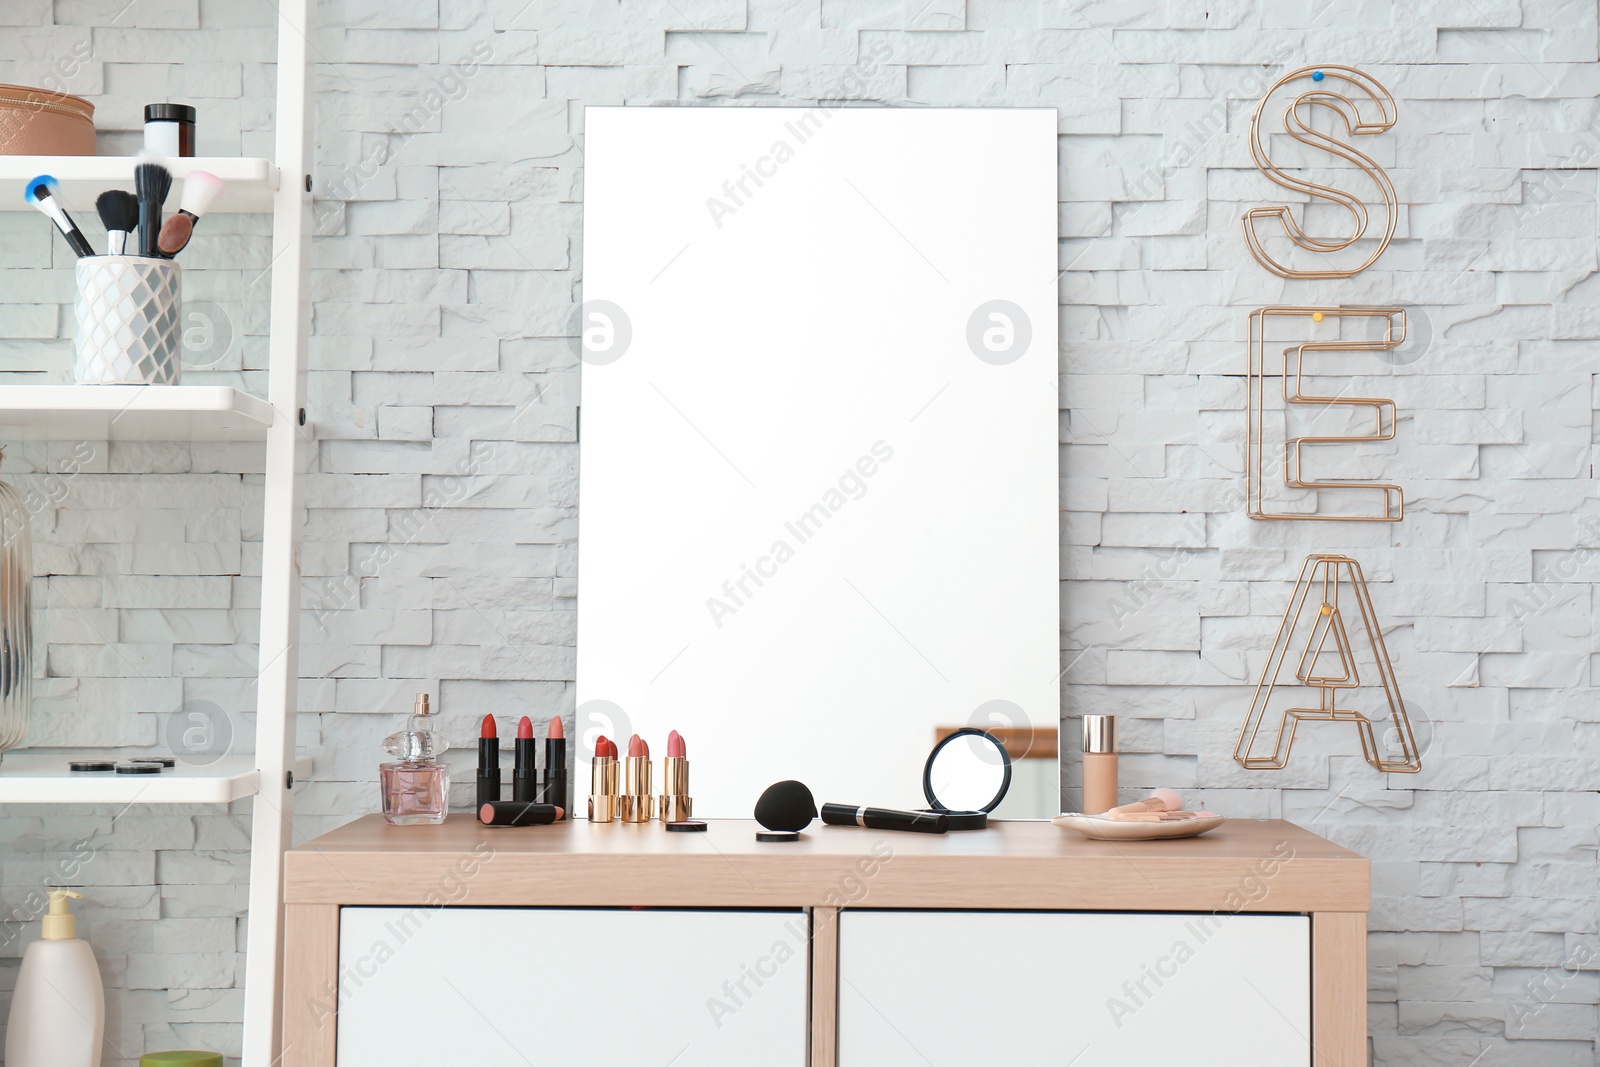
676	804
637	803
555	765
488	762
603	781
524	778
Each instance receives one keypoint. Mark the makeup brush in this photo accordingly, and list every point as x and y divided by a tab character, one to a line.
41	193
153	182
1155	816
200	191
1160	800
119	213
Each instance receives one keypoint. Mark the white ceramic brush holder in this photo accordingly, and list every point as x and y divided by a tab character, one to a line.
127	313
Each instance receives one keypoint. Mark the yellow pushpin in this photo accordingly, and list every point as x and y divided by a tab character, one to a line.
1316	316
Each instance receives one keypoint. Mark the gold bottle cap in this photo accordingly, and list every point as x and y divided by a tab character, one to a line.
60	924
421	707
1099	733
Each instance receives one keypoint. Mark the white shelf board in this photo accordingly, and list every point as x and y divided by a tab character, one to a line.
251	181
30	778
131	413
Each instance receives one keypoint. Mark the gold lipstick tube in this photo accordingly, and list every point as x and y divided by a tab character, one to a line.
676	803
602	789
637	805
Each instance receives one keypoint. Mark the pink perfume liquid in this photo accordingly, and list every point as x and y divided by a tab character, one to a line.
415	792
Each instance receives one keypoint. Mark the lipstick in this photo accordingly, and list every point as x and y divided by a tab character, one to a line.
603	781
555	765
676	804
515	813
488	762
637	803
524	779
917	822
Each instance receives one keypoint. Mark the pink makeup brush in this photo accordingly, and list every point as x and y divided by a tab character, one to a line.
1159	801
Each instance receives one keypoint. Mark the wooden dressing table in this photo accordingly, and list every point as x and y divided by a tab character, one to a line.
852	947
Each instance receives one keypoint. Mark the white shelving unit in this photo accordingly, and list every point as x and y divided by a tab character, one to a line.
29	778
252	183
212	413
132	413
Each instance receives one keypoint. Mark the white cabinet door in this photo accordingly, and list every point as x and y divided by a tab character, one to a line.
549	986
953	989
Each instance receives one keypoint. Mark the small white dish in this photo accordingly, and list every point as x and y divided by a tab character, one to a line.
1099	829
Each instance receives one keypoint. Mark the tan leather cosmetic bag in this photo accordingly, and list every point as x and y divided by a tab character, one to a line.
39	122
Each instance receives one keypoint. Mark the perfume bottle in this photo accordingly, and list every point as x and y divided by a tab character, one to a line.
416	789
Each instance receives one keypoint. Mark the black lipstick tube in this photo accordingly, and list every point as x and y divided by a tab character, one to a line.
512	813
555	773
524	778
488	770
916	822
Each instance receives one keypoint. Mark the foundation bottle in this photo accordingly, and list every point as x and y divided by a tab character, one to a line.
1099	764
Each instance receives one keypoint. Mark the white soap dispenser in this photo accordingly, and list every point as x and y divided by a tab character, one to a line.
58	1011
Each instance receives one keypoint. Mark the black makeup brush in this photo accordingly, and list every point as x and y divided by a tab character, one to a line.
152	181
119	214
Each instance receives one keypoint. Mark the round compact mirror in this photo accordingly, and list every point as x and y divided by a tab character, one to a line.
967	776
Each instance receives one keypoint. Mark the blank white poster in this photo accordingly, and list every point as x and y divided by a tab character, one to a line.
818	445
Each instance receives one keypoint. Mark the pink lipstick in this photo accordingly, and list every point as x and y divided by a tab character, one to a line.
524	779
519	814
676	804
637	805
555	765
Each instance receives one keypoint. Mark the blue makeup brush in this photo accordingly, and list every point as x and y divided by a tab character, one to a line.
41	193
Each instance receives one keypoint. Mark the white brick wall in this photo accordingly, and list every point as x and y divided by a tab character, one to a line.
446	283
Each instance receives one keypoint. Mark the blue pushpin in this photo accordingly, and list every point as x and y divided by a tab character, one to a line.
1317	75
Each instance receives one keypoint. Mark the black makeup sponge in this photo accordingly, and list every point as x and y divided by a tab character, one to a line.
786	806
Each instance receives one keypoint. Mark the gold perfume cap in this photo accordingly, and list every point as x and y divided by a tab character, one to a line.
422	707
1099	733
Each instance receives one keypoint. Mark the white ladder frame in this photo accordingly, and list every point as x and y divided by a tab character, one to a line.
278	674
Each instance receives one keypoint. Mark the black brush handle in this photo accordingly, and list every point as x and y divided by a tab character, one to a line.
917	822
149	226
80	244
